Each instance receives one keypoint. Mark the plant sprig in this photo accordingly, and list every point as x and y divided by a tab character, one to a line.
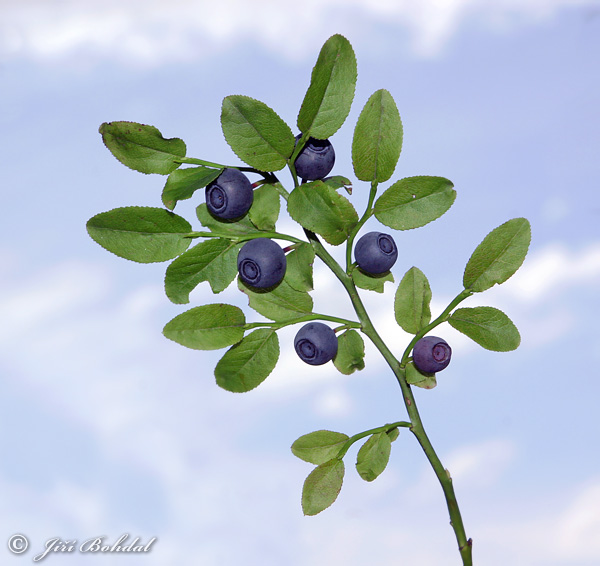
266	144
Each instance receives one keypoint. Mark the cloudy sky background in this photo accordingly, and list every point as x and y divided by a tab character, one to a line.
108	428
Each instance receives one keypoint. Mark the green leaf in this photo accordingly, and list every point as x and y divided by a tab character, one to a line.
419	378
394	433
299	271
182	183
208	327
329	97
377	140
239	227
373	456
265	208
142	234
318	207
487	326
339	182
414	201
498	256
371	282
319	447
142	147
247	364
257	135
214	261
281	303
322	486
351	352
412	300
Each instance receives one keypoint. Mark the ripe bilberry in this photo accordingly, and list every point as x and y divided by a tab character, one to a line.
230	195
261	263
431	354
316	343
375	252
316	159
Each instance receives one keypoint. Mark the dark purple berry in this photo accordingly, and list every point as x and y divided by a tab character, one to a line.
375	252
230	195
431	354
316	159
261	263
316	343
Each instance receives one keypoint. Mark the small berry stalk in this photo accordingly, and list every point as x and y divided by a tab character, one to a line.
239	240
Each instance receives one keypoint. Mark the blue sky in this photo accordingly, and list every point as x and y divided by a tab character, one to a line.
108	428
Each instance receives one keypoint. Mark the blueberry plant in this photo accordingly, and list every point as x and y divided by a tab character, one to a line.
238	237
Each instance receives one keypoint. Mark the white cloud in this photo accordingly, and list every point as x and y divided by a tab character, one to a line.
152	32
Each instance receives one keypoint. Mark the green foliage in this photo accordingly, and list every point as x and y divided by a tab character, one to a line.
319	208
320	446
498	256
350	356
329	97
142	234
263	140
213	260
416	377
249	362
183	183
322	486
208	327
257	135
370	281
377	138
414	202
142	147
411	302
373	456
487	326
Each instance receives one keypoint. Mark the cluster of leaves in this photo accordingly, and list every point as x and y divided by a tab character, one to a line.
266	144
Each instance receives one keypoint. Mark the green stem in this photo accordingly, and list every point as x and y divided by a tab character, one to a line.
357	437
361	222
417	427
307	318
245	237
203	162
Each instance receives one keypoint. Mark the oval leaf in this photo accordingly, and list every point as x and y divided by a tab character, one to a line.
319	447
281	303
414	201
329	97
377	140
498	256
265	208
239	227
350	355
322	486
214	261
373	456
419	378
182	183
319	208
487	326
142	234
142	147
247	364
371	282
257	135
208	327
299	271
412	300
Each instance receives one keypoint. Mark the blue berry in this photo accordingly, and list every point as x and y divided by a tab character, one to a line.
261	263
316	343
316	159
431	354
230	195
375	252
